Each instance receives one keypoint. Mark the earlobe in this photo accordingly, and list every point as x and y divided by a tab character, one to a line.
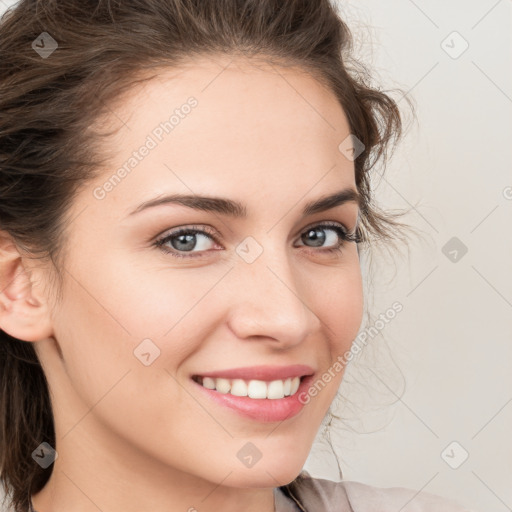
23	315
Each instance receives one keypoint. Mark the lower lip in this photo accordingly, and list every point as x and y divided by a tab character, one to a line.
261	409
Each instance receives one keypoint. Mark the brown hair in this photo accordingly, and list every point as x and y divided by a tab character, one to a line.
48	150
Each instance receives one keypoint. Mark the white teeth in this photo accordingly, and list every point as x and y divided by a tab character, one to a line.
222	385
287	387
239	387
275	389
257	389
295	385
208	382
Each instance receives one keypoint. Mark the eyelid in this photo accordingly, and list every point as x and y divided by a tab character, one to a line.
188	227
325	223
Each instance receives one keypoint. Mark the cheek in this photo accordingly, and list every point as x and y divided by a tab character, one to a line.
99	327
343	306
339	304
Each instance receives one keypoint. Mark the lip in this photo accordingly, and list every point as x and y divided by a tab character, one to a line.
263	410
266	373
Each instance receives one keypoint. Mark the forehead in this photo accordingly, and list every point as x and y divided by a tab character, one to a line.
251	122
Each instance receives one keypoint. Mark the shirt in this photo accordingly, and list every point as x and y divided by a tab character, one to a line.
309	494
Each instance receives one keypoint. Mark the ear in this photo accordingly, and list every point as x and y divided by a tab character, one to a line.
24	312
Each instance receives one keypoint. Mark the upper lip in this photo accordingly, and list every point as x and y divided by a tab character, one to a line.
267	373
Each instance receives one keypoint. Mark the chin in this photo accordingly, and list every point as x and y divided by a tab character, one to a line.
272	474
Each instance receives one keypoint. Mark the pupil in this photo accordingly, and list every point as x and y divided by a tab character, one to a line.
186	239
318	240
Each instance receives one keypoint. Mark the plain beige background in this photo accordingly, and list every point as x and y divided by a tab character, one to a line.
428	401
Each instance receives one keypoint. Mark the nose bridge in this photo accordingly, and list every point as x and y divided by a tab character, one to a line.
268	299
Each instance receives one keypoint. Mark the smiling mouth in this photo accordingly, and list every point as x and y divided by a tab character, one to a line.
257	389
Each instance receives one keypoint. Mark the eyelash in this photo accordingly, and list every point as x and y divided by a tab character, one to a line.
344	235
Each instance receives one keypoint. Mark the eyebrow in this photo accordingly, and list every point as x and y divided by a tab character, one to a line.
236	209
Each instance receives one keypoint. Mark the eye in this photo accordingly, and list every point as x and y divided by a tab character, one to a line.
185	239
194	240
335	240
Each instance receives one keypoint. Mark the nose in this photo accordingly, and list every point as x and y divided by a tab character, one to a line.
269	302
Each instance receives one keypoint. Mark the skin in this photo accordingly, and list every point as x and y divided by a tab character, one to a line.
132	437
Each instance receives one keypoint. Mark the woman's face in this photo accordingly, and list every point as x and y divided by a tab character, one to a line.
139	320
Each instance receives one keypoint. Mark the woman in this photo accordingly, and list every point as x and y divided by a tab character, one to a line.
185	188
